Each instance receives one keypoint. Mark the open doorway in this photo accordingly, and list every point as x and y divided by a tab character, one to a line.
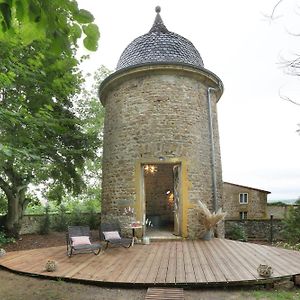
162	199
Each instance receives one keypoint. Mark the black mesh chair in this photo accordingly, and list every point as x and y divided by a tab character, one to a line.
111	234
79	240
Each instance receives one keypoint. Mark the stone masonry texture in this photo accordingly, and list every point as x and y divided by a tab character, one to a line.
256	207
155	114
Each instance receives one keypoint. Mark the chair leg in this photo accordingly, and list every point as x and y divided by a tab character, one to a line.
96	252
69	252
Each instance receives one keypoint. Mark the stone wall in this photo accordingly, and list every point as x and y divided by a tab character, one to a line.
258	229
279	211
32	223
257	202
158	112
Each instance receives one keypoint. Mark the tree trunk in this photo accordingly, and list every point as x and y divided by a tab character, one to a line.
15	212
14	187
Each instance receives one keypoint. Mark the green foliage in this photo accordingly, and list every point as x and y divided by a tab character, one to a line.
288	246
79	213
237	232
277	203
62	219
291	228
76	218
46	222
3	203
93	219
274	295
4	239
42	140
34	209
60	22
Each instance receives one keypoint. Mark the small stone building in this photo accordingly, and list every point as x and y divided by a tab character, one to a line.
161	149
243	202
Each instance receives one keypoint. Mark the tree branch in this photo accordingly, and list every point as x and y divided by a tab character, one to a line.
286	98
5	187
272	16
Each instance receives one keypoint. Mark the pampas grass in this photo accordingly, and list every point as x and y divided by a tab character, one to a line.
208	219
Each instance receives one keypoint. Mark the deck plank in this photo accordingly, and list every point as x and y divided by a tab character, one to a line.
131	264
171	263
163	268
210	259
180	268
106	259
281	254
151	256
139	263
198	268
222	263
151	276
171	272
239	263
209	275
108	265
277	262
257	257
189	267
248	257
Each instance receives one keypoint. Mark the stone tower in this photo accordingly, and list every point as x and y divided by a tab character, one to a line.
161	149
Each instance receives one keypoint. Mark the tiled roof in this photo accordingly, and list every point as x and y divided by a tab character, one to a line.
160	45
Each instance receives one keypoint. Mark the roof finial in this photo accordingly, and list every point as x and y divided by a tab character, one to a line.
158	25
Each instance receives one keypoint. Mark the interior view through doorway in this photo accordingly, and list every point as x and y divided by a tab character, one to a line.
162	200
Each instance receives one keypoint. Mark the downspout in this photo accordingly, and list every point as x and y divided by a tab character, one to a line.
212	148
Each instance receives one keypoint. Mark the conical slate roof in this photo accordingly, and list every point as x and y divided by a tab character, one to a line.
160	45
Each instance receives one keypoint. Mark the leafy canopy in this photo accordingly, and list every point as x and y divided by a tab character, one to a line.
41	137
59	21
291	229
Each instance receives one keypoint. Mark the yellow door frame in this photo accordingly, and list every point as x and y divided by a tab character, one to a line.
139	187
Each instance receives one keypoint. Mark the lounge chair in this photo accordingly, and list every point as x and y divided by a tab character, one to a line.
111	234
79	240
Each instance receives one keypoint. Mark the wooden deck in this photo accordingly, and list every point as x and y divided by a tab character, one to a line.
218	262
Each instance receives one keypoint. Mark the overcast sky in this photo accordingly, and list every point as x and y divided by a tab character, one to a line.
259	143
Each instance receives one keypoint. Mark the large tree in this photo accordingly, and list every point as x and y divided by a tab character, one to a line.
41	138
90	109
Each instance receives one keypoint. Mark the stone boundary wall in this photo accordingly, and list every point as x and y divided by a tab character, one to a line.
279	211
255	229
258	229
32	223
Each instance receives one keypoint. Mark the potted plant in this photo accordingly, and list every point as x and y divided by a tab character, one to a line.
209	219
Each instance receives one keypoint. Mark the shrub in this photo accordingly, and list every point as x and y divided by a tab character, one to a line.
76	217
277	203
61	219
291	226
34	209
4	239
93	220
288	246
237	232
46	222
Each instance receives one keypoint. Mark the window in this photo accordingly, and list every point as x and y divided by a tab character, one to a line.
243	198
243	215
